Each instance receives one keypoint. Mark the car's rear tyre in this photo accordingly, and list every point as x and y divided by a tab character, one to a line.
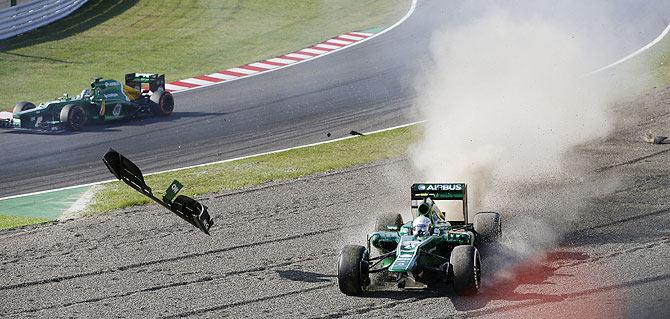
488	228
164	104
23	106
352	270
382	222
74	116
466	268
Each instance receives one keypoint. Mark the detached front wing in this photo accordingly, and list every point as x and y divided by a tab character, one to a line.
185	207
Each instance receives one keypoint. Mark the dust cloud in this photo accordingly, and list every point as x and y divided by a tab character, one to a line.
506	100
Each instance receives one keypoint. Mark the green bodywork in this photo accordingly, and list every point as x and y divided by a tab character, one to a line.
431	252
105	101
411	250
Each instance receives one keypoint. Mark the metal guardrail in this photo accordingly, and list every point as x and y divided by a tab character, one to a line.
32	15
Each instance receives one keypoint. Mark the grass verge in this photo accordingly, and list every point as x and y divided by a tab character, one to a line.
18	221
265	168
178	38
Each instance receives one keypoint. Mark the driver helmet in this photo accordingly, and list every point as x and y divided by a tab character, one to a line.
421	226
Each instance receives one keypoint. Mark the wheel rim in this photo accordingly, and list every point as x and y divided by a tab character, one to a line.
477	271
363	271
77	118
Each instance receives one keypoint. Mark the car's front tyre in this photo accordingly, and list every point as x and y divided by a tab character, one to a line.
74	116
353	270
23	106
466	268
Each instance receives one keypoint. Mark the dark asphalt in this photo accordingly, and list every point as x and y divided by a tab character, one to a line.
277	258
369	86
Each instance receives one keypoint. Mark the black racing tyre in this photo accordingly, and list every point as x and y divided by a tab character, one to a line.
466	267
164	104
388	219
488	228
23	106
352	270
74	116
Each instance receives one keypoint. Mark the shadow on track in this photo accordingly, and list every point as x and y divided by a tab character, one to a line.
304	276
96	127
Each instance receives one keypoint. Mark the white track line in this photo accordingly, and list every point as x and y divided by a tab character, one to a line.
218	162
642	49
306	58
218	75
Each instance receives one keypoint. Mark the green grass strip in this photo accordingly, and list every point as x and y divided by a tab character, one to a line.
265	168
182	39
18	221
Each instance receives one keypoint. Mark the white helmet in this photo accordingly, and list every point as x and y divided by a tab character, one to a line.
421	226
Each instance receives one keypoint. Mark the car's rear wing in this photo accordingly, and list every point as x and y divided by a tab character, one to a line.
441	191
155	81
185	207
451	191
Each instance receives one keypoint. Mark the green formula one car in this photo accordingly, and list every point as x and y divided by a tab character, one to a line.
434	247
105	101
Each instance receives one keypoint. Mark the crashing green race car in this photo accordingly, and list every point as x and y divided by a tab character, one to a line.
106	100
434	247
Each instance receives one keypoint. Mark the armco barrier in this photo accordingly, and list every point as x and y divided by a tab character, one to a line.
32	15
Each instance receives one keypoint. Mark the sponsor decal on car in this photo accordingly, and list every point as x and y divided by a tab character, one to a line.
117	110
440	187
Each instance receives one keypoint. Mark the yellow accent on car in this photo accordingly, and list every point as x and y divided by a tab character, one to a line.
131	92
102	108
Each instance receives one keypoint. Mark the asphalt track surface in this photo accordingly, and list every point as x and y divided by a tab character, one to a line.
273	249
365	87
